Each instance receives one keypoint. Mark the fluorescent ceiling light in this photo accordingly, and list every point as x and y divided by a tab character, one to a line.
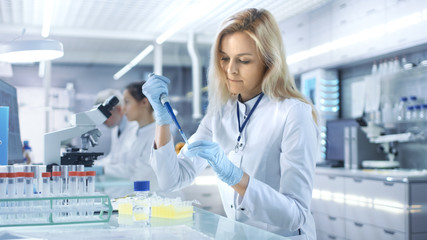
27	51
171	31
47	17
364	35
134	61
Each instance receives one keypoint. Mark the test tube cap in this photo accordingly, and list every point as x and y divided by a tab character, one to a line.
20	174
11	175
73	173
3	175
91	173
56	174
29	174
141	186
46	174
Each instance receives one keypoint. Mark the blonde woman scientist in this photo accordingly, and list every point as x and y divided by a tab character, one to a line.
259	134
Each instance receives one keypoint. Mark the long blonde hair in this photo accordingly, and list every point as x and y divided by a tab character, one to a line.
261	26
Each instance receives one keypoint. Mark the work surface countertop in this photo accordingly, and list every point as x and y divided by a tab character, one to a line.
203	225
392	175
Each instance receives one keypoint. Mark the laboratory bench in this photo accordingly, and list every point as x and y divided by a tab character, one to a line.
203	225
370	204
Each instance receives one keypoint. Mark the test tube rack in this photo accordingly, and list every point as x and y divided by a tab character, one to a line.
55	210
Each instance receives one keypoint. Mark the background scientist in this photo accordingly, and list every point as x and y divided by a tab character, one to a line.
123	135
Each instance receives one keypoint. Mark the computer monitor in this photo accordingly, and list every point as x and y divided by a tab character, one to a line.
335	139
8	97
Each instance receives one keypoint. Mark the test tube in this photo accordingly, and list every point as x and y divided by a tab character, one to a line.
36	179
56	183
11	179
80	168
29	186
72	168
3	189
20	184
72	183
56	191
20	190
45	192
90	189
90	175
45	184
11	191
3	185
72	191
81	190
64	179
81	178
29	192
27	168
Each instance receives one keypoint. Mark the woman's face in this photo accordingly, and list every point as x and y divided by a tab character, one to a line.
132	107
243	67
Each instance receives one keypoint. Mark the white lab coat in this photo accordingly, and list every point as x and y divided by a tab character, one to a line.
280	147
115	162
138	165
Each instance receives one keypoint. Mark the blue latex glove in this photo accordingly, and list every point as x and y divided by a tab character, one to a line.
215	156
152	89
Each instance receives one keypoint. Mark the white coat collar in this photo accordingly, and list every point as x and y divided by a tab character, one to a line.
245	107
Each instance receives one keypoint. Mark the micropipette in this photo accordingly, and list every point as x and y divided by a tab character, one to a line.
165	101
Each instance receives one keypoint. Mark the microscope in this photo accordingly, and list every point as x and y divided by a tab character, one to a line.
388	144
83	126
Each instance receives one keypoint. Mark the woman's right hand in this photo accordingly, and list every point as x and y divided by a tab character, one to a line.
152	89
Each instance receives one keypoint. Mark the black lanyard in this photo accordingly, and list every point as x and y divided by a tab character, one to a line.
247	119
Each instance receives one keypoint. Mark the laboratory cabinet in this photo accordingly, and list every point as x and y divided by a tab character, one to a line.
370	204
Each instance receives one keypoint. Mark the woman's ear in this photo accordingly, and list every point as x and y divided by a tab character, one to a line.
145	102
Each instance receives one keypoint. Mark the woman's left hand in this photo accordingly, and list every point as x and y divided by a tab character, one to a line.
215	156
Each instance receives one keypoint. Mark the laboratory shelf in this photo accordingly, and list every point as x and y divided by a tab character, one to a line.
55	210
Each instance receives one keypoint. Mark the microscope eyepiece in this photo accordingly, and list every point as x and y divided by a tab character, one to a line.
108	105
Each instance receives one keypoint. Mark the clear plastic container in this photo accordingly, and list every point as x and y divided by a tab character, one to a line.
409	113
416	113
402	108
141	211
423	113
